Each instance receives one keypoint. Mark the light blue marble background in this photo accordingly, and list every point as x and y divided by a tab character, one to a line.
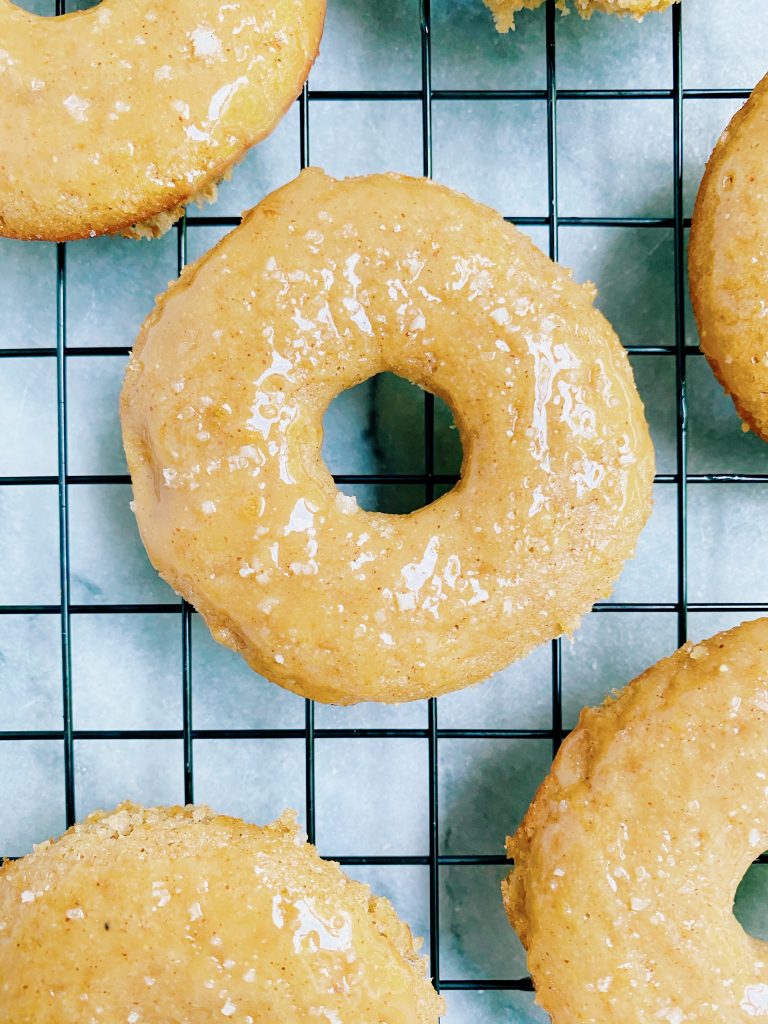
372	795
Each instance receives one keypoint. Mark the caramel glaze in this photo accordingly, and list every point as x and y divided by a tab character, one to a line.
325	284
180	916
120	114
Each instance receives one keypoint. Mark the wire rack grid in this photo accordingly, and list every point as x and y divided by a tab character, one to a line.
434	735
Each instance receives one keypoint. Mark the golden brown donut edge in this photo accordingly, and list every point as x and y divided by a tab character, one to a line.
89	147
728	264
172	913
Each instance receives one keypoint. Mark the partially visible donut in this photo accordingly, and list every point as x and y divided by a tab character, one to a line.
728	260
113	118
504	11
181	916
325	284
627	863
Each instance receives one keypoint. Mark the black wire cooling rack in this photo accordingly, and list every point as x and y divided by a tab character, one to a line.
680	479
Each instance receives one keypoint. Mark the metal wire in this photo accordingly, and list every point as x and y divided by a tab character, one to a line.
430	480
429	495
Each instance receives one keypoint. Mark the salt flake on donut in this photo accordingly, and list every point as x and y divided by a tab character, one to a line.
628	861
114	118
325	284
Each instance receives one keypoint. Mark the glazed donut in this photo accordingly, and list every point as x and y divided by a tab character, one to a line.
327	283
728	261
504	11
177	914
112	119
627	863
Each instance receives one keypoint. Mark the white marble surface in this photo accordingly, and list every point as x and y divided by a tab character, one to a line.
372	795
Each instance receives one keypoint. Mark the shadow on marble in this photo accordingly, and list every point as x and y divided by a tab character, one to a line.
485	787
108	562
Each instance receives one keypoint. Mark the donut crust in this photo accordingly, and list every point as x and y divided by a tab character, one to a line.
324	285
728	261
181	916
114	118
504	11
628	860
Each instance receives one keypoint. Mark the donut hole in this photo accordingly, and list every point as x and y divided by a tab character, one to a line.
750	905
47	8
380	429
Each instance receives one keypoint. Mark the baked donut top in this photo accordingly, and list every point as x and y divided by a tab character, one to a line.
114	115
325	284
181	915
628	861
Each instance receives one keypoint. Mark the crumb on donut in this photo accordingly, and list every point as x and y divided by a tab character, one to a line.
504	11
162	222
